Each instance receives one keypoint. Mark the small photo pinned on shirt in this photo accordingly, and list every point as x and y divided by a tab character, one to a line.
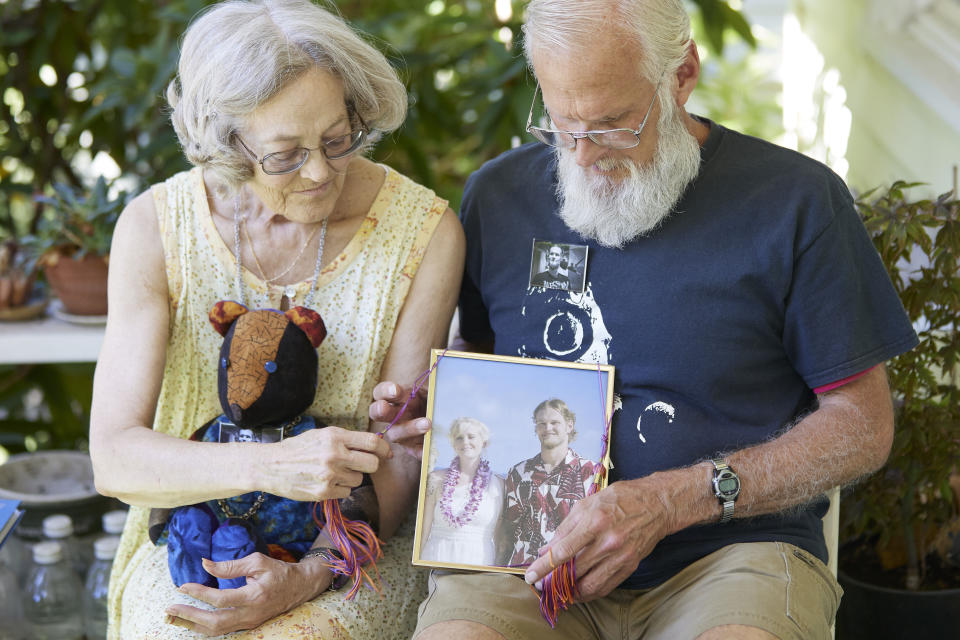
559	266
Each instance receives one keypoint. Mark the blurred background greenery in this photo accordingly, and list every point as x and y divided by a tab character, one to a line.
82	85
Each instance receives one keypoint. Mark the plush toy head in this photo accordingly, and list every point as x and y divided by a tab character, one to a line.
267	371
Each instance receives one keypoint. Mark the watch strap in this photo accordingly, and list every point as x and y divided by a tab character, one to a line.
727	503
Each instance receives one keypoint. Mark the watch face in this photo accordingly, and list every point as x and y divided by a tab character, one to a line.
727	485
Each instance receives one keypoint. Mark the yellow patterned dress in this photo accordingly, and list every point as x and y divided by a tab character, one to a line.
359	294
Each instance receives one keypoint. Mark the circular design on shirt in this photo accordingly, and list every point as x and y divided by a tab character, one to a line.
568	333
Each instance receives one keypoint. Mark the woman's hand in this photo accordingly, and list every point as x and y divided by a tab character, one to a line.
273	587
320	464
408	432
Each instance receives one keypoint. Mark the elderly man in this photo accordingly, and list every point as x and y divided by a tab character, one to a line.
734	288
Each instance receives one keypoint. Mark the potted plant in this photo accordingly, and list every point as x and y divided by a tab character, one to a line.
900	529
73	235
18	300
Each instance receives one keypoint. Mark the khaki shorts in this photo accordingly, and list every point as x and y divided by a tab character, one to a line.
771	585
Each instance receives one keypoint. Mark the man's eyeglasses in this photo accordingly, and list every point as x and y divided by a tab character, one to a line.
289	161
610	138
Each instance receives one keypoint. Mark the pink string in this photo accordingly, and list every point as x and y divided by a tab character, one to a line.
419	382
560	585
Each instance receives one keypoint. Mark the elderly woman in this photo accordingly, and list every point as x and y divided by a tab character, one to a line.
274	104
463	502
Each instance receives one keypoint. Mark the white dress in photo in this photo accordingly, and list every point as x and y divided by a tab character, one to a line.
472	543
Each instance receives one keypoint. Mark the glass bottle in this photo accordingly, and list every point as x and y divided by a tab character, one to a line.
95	588
11	611
113	521
59	528
51	597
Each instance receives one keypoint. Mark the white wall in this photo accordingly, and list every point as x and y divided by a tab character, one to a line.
899	68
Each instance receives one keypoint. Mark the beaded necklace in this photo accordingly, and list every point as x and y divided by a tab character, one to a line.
477	486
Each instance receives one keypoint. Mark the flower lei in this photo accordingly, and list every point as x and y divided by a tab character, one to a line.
477	486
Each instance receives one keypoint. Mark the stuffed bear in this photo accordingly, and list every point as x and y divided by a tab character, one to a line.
267	378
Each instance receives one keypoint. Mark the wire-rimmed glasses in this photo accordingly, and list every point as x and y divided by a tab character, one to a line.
610	138
288	161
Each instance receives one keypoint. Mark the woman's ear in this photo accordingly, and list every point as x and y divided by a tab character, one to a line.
224	313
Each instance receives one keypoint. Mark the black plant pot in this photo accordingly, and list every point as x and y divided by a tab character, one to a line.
880	613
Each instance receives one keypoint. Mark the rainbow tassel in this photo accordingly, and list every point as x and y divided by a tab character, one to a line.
559	591
357	542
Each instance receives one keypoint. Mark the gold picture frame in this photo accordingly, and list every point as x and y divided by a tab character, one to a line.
539	445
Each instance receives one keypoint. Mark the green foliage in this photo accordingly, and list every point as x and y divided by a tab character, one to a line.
910	500
77	222
45	406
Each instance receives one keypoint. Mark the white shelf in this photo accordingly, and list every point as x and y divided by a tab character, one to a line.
48	339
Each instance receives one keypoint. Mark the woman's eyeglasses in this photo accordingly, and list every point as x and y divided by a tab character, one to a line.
288	161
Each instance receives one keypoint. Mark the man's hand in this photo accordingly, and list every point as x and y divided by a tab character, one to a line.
408	432
273	587
609	533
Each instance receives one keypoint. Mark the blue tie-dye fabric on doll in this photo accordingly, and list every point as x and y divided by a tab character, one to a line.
209	530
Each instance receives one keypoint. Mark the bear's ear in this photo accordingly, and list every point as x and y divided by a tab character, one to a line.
309	322
224	313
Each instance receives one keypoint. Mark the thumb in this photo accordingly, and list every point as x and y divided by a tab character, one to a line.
229	568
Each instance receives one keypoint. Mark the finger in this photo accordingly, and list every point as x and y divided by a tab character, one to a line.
383	411
349	479
367	441
215	597
408	433
245	566
557	552
210	623
390	392
603	577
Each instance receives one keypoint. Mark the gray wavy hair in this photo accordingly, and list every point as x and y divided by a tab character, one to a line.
660	27
236	55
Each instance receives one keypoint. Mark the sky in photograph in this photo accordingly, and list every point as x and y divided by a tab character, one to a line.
503	396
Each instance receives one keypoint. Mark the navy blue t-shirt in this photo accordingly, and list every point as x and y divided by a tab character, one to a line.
761	286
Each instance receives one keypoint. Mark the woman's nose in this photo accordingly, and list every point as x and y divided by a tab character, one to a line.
317	168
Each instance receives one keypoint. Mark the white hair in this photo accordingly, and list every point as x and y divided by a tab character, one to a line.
238	54
661	28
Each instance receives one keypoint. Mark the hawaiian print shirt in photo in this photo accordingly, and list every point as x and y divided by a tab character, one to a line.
538	500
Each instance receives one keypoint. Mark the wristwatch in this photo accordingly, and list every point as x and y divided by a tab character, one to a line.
726	486
331	557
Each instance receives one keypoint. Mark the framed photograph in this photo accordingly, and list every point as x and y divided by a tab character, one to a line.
516	442
558	266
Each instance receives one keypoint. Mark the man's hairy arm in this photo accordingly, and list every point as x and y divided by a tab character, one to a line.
847	437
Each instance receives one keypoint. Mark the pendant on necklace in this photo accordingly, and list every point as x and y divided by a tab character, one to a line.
290	292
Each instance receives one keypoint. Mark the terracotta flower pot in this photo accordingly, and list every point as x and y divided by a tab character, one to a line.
80	284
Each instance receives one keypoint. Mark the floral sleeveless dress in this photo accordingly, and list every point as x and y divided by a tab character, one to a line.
359	294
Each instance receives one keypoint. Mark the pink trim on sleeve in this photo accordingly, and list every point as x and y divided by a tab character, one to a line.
839	383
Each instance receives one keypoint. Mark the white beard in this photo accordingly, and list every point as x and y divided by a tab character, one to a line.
614	212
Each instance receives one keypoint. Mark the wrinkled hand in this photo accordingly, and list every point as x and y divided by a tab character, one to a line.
321	464
408	432
273	587
609	533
